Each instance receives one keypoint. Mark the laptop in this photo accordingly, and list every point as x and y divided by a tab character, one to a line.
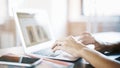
36	34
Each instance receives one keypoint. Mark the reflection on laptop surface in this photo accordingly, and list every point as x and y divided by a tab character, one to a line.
37	38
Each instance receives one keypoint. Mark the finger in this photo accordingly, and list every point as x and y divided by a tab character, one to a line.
71	38
56	48
86	34
82	44
57	42
54	45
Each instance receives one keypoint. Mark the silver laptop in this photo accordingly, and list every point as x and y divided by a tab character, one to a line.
36	35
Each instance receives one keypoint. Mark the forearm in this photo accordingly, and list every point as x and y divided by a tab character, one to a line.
97	59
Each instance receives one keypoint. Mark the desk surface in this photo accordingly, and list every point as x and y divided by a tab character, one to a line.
46	63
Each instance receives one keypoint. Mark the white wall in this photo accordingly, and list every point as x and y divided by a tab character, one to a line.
59	17
37	4
74	10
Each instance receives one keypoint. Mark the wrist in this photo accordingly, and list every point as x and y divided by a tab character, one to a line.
82	52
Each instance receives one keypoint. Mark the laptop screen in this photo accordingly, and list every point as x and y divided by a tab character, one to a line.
34	28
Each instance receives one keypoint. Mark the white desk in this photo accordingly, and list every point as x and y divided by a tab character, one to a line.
47	63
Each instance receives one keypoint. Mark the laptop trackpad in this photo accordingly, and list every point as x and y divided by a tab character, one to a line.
47	52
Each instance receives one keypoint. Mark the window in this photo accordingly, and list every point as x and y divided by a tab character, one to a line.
101	7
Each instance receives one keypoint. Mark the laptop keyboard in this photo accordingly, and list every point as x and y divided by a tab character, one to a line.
47	52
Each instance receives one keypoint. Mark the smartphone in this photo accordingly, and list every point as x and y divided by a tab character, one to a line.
20	61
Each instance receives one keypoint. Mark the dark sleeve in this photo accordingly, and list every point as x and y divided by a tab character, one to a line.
116	48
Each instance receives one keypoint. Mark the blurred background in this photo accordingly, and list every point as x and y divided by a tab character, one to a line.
67	17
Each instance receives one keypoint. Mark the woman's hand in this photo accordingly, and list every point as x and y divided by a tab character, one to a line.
87	38
69	45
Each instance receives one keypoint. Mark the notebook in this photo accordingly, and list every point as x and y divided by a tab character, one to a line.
36	34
